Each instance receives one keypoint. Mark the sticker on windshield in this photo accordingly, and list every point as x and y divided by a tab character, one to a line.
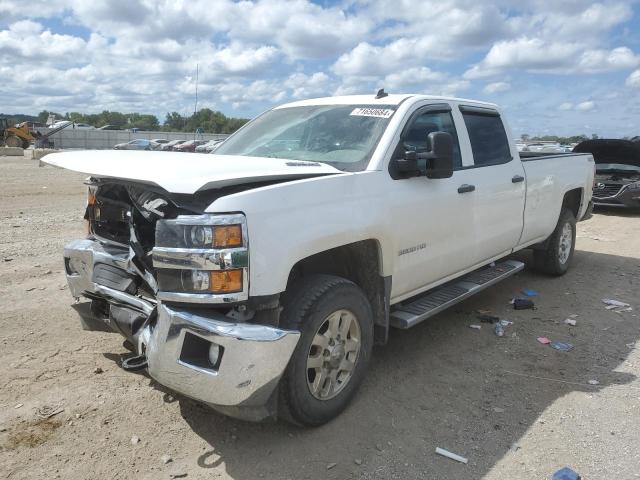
372	112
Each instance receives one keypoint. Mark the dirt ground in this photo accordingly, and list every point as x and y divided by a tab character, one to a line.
517	409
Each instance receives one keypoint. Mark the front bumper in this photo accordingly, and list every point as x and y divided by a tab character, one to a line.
253	357
176	337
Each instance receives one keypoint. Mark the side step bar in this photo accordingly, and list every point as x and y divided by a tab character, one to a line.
407	314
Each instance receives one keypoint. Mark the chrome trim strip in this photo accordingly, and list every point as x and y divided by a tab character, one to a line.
138	303
200	259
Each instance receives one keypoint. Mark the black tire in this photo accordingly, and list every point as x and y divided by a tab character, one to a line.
306	308
550	260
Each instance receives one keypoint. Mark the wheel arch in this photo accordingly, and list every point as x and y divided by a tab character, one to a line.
572	200
360	262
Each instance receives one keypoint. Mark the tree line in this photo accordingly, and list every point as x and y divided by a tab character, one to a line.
206	120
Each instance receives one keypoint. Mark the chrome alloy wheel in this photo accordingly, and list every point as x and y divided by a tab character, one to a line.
333	354
566	240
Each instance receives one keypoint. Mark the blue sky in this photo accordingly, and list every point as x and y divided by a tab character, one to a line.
569	68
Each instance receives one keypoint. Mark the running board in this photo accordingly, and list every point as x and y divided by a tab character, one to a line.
407	314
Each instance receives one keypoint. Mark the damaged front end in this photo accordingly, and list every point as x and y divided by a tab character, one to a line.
174	281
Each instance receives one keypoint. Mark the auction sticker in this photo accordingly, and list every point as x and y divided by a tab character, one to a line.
372	112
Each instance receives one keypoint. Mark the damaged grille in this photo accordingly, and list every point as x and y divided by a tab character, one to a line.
604	190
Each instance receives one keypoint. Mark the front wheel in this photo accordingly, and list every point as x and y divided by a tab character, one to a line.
556	257
332	355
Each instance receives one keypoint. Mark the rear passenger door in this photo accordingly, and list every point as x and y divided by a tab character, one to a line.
499	181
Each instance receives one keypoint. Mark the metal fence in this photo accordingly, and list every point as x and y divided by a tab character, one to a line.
105	139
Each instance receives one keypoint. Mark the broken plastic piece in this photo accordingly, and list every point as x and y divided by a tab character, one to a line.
505	323
562	346
593	382
523	304
570	321
566	474
499	330
544	340
614	303
452	456
530	293
475	327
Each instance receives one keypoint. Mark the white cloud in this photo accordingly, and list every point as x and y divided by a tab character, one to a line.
565	106
497	87
586	106
633	80
306	86
536	55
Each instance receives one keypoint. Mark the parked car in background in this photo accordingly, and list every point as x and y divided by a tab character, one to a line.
139	144
188	146
617	181
83	126
208	147
159	142
110	127
168	147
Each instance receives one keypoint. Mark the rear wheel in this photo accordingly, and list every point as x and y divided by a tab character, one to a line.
556	257
332	355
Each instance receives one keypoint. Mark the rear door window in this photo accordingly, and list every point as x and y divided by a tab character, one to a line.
489	142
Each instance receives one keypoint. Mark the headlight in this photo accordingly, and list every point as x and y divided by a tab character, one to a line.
202	255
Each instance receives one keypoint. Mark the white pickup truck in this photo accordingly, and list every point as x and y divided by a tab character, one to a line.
257	279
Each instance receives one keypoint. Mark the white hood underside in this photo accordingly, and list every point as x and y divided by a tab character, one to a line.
184	172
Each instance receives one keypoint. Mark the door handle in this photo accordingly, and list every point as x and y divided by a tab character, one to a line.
517	179
464	188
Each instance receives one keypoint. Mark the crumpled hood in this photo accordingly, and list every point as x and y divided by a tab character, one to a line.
185	172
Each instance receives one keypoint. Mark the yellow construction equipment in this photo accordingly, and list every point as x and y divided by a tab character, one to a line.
15	136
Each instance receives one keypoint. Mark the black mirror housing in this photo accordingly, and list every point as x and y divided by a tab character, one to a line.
440	158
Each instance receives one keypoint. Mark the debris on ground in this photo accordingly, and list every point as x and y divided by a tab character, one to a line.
523	304
544	340
498	410
483	311
484	318
570	321
166	459
331	465
593	382
7	259
357	461
566	474
499	330
48	411
19	405
452	456
505	323
475	327
135	440
98	370
614	303
530	293
178	475
562	346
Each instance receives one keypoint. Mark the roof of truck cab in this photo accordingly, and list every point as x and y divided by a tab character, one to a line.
391	99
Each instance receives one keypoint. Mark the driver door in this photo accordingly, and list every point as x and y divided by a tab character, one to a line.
432	217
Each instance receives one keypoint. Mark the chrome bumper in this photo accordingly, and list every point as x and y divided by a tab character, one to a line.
252	359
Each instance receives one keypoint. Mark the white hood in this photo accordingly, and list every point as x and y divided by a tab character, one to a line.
184	172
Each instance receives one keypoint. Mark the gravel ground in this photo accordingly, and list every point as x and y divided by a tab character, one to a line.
516	408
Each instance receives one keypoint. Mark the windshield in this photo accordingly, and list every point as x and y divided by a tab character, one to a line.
343	136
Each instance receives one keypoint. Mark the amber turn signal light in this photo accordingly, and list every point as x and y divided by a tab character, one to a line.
227	236
226	281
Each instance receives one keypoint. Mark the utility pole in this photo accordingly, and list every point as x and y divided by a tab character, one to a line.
195	108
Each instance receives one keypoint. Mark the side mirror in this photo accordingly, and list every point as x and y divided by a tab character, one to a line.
440	158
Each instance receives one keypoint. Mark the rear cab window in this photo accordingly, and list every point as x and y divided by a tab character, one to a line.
489	142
